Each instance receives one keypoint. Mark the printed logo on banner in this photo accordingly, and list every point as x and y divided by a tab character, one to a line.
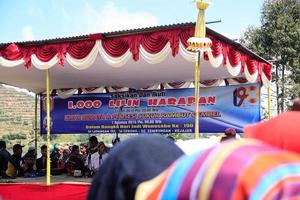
245	96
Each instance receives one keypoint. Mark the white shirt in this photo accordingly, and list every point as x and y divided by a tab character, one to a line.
96	161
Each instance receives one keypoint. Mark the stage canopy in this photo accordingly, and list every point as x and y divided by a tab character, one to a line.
140	58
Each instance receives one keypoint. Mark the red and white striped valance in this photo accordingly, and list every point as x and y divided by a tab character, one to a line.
153	47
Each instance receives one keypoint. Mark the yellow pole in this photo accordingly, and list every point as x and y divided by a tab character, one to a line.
197	44
48	181
197	92
269	100
35	125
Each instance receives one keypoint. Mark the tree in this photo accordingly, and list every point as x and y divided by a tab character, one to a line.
277	39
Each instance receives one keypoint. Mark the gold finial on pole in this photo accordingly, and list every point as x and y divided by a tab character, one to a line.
197	44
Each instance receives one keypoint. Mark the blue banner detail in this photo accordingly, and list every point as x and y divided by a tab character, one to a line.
155	111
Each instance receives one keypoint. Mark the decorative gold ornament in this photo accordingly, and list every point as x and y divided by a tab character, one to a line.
199	41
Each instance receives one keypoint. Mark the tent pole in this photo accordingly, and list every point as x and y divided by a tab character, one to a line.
269	100
199	43
48	179
197	91
35	124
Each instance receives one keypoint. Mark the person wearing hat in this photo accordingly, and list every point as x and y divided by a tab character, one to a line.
14	164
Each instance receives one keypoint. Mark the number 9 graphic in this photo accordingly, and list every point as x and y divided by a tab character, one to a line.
243	93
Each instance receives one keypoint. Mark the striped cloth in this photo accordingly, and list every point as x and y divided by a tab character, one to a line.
239	169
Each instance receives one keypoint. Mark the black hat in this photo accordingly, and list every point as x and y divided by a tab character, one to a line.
17	146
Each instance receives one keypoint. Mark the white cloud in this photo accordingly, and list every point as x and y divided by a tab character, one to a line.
112	18
27	33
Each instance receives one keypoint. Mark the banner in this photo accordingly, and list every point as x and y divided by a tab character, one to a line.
154	111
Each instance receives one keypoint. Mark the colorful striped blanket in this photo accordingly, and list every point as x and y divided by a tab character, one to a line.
239	169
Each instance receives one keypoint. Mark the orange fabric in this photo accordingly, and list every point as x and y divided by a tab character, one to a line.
249	178
282	131
276	188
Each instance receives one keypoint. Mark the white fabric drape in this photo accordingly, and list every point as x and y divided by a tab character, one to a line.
215	62
112	61
43	65
234	71
10	63
250	77
152	87
86	62
66	93
94	90
183	85
157	57
187	55
265	80
122	89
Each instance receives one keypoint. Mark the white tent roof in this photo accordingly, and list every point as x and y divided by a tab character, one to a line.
101	68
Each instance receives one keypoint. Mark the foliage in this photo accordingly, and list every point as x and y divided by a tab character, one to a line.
277	39
16	136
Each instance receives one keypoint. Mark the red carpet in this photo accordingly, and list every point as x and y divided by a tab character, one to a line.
25	191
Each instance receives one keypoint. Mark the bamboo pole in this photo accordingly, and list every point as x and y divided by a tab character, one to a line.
197	92
48	179
35	124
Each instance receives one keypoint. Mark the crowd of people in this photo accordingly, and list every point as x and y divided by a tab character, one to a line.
82	160
263	165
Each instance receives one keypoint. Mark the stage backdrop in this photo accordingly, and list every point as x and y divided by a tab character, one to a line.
155	111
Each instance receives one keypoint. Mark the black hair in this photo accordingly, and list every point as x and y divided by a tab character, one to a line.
93	139
43	147
75	147
2	144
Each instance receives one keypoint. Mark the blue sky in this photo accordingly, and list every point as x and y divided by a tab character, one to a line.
41	19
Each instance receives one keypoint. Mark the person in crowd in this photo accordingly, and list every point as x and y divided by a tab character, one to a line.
65	156
30	153
83	151
29	167
98	157
75	161
230	133
14	168
130	163
4	158
41	163
93	144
